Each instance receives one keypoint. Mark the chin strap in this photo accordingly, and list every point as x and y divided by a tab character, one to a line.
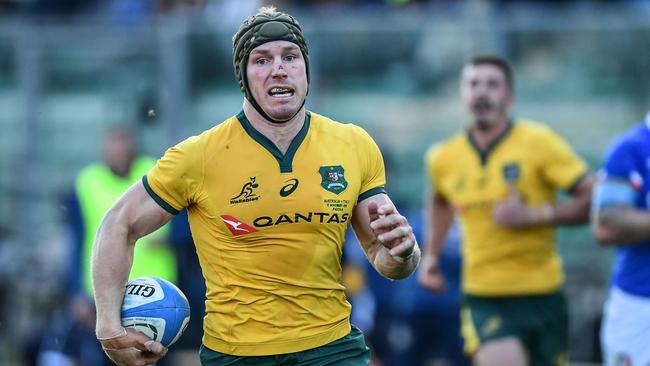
259	110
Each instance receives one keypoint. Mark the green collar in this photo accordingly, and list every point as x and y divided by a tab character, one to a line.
484	154
284	160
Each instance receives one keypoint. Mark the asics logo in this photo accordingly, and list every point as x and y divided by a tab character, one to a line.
236	226
288	188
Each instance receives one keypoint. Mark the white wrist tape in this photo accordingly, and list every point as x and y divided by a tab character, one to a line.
120	333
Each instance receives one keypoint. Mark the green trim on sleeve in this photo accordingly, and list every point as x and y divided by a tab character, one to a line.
572	188
370	193
166	206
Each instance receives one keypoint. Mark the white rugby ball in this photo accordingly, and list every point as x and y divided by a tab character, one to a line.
157	308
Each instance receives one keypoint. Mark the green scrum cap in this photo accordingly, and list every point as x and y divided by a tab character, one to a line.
266	26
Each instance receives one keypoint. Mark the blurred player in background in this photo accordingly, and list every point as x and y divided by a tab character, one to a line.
500	178
269	193
96	188
621	207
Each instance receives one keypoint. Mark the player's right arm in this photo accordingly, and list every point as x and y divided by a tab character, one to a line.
133	216
439	218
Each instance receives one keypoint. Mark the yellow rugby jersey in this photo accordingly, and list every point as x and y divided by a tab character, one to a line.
269	228
499	261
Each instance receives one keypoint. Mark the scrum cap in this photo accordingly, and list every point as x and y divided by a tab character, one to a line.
265	26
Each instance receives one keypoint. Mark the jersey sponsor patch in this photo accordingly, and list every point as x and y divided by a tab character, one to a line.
236	226
298	217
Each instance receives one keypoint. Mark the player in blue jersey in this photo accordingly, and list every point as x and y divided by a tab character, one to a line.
621	205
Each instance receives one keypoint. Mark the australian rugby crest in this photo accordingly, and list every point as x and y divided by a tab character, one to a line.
333	178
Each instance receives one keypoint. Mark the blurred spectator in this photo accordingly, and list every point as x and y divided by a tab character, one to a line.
59	7
71	339
133	12
175	5
8	5
621	207
231	12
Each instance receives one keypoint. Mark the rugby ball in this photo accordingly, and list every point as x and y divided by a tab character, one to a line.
157	308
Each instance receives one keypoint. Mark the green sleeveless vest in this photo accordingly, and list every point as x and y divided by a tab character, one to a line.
97	189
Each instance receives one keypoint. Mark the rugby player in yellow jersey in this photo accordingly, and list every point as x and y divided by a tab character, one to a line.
500	179
269	193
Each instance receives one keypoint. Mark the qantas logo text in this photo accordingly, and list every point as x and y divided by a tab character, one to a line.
317	217
237	227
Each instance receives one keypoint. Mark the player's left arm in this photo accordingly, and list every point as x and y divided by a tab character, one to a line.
386	237
565	169
562	168
615	219
574	211
617	215
513	212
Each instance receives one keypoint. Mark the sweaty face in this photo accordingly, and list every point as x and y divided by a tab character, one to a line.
277	78
486	94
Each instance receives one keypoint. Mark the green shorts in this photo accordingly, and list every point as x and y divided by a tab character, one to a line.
539	321
350	350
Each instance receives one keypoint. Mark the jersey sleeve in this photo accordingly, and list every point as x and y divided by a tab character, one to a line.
373	180
562	167
174	180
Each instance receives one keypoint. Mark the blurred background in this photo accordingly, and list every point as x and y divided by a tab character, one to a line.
70	68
